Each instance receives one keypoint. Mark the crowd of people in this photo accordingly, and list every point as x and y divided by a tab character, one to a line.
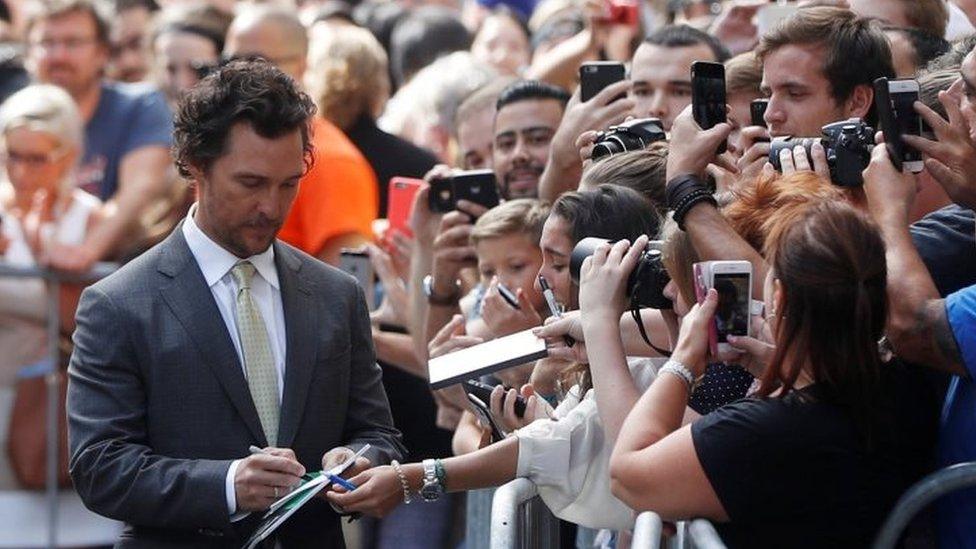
855	378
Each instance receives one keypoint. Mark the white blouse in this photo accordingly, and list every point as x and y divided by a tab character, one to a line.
568	457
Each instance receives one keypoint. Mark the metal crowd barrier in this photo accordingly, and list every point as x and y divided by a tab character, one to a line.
920	496
519	518
54	280
648	529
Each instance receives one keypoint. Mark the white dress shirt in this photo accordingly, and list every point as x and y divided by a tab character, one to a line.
216	263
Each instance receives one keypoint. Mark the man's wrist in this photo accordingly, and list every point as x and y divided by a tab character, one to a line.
230	488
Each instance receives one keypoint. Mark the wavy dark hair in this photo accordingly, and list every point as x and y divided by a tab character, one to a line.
254	91
612	212
830	260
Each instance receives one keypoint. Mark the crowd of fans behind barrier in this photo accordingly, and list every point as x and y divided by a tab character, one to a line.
855	378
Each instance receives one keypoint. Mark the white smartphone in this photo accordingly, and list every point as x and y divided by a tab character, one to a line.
733	282
904	94
358	265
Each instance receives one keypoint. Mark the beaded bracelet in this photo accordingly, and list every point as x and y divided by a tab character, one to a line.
679	370
403	481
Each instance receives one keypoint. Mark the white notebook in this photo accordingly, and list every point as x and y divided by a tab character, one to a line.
490	356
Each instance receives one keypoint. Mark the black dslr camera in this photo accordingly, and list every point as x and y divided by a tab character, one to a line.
646	283
848	144
629	136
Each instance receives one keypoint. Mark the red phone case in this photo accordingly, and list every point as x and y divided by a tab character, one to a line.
400	202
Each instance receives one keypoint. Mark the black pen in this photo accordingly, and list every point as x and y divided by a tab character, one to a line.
553	306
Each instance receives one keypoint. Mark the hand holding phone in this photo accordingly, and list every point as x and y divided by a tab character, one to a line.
483	392
733	282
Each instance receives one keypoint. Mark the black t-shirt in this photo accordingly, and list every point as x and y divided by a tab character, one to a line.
795	472
946	240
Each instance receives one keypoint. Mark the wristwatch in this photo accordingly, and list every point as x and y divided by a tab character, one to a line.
433	487
435	299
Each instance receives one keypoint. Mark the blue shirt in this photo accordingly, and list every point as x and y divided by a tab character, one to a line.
957	436
128	117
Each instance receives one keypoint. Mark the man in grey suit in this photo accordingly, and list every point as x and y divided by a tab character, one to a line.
222	337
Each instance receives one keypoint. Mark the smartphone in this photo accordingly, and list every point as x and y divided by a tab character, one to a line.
476	186
483	413
757	112
483	392
441	197
358	265
509	296
894	101
733	282
597	75
708	95
400	201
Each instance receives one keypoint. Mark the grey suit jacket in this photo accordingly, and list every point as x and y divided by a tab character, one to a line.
158	405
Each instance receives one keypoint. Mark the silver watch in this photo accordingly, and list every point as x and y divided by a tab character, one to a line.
432	488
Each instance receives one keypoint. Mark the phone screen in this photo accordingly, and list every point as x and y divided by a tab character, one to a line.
907	121
732	314
708	95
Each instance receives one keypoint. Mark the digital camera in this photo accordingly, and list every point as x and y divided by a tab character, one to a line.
646	283
629	136
848	144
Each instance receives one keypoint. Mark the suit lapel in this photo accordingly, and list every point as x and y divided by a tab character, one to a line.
300	334
193	304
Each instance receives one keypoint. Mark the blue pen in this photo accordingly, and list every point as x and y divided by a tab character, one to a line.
336	479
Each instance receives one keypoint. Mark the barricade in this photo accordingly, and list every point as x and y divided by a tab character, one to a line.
519	518
920	496
54	280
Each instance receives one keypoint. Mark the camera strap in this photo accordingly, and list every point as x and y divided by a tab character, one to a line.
635	313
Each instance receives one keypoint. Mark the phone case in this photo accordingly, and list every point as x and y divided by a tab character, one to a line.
596	76
401	195
708	101
703	281
483	392
441	197
476	186
483	413
886	119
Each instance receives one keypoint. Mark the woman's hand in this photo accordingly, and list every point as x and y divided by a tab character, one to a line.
378	491
603	280
555	330
503	319
451	401
395	297
692	347
502	406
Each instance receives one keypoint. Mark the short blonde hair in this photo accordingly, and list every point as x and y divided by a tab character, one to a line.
522	216
347	73
44	108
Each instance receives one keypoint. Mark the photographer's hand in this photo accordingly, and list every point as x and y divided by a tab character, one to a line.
952	159
603	281
693	149
798	161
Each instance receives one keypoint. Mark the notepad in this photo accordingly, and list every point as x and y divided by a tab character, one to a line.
485	358
285	507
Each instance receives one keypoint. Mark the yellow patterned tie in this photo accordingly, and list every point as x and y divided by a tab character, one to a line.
258	358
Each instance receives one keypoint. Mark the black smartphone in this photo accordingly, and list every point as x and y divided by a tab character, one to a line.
894	101
483	413
597	75
509	296
483	392
441	197
476	186
708	95
757	112
358	264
